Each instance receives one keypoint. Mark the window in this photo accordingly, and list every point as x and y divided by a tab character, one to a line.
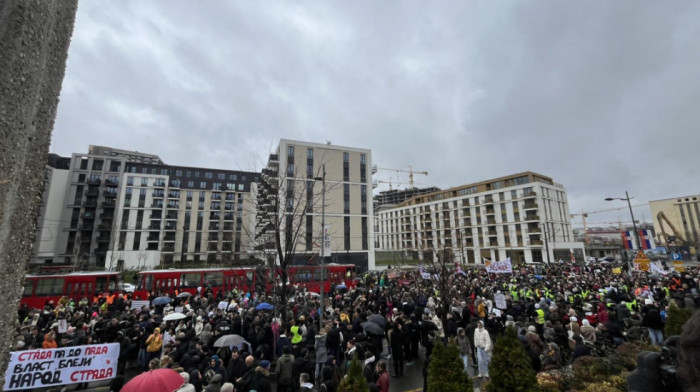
290	151
290	170
347	232
163	172
190	184
522	180
240	187
178	173
220	176
97	164
213	279
363	159
232	177
208	175
216	186
144	181
49	286
190	280
310	153
203	185
130	180
189	173
309	170
346	157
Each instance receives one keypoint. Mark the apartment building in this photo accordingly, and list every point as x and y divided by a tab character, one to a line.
291	194
129	210
524	216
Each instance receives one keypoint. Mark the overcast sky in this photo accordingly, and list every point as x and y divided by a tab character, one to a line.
601	96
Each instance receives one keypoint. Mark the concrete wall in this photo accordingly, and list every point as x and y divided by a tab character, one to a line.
34	40
51	240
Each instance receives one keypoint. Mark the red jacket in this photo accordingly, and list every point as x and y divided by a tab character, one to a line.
383	382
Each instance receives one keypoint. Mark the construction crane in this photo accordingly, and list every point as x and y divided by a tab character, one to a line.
410	172
584	215
668	238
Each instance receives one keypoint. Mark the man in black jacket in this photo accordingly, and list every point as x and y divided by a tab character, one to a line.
236	366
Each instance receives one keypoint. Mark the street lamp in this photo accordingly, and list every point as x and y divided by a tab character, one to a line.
323	235
634	224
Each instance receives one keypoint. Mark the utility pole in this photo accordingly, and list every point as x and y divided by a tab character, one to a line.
323	244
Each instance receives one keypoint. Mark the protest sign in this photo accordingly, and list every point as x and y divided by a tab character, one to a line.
34	369
500	301
500	267
178	309
223	305
139	304
62	326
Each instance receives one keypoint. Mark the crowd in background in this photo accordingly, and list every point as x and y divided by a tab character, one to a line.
387	322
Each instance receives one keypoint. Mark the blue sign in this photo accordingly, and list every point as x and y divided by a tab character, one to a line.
676	256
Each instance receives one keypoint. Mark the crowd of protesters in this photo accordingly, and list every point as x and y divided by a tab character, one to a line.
561	312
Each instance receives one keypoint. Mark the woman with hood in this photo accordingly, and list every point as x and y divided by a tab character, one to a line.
199	326
215	367
186	386
321	350
154	344
206	334
261	379
196	380
465	348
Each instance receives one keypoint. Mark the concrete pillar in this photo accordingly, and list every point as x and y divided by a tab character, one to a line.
34	40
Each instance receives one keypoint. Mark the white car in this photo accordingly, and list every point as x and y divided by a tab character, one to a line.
128	287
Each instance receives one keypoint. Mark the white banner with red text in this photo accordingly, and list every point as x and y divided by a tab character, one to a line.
32	369
499	267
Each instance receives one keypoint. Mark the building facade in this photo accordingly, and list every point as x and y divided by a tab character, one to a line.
50	224
291	199
523	216
677	224
129	210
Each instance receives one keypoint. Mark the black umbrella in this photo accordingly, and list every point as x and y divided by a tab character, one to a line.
372	328
377	319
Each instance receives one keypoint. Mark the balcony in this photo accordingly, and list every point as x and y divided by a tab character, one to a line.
171	216
109	194
154	226
532	217
169	237
92	192
153	237
111	183
159	194
104	227
374	169
530	206
103	239
159	184
173	195
94	182
91	204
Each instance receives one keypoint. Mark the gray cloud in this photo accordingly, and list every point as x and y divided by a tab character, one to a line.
602	97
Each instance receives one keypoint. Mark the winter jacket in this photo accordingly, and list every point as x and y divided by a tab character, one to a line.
261	380
321	349
463	343
284	369
482	339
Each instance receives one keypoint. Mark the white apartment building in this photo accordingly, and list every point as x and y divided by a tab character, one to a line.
524	216
293	180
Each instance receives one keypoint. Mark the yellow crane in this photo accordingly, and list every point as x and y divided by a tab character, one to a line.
391	183
410	172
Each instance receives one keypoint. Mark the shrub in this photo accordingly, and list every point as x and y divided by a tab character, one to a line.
446	370
354	381
675	319
510	368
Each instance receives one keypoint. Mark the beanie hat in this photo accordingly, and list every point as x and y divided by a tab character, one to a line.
265	364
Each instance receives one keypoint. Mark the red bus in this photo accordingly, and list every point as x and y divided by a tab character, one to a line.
40	289
245	279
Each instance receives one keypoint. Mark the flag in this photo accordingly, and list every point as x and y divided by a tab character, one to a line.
487	263
459	270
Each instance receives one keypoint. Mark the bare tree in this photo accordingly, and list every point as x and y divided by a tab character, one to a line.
286	206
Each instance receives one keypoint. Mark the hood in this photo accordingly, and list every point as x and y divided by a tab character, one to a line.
262	371
215	378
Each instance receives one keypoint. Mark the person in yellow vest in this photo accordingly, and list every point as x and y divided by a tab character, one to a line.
296	336
539	320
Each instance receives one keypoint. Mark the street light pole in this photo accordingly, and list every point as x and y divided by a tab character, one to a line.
323	243
634	224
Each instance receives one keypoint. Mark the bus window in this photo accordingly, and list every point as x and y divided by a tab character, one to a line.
191	280
113	283
101	284
318	273
28	288
249	277
214	279
139	282
149	283
303	275
49	286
